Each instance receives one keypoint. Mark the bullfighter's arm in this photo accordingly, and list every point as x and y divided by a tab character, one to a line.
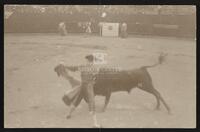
72	68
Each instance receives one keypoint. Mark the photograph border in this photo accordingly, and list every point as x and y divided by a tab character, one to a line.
103	2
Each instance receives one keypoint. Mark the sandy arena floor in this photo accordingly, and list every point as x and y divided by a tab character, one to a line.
33	91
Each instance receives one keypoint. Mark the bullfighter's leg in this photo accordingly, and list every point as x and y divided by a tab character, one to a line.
91	103
107	98
85	98
74	104
150	89
71	109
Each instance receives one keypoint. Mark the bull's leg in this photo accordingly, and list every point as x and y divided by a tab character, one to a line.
161	98
107	98
157	99
150	89
158	103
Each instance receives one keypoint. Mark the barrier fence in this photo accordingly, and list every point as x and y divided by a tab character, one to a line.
141	24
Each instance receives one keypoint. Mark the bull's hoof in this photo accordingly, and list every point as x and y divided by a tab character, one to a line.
68	116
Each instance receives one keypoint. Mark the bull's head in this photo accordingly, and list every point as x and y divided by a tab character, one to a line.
60	70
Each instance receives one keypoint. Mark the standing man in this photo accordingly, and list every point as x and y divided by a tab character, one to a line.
85	90
100	28
62	29
123	30
88	28
102	21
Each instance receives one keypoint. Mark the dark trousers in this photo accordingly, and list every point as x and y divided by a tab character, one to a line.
87	92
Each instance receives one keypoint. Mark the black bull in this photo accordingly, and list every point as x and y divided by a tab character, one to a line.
107	82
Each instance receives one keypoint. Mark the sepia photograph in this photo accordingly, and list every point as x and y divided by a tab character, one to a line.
99	66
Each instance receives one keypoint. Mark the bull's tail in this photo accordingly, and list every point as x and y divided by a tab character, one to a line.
161	59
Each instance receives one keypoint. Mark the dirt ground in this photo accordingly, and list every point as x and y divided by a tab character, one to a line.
33	91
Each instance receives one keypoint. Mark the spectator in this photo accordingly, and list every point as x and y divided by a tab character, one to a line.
88	28
62	29
100	27
123	30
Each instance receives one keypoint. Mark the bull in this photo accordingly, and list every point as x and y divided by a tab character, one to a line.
107	82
